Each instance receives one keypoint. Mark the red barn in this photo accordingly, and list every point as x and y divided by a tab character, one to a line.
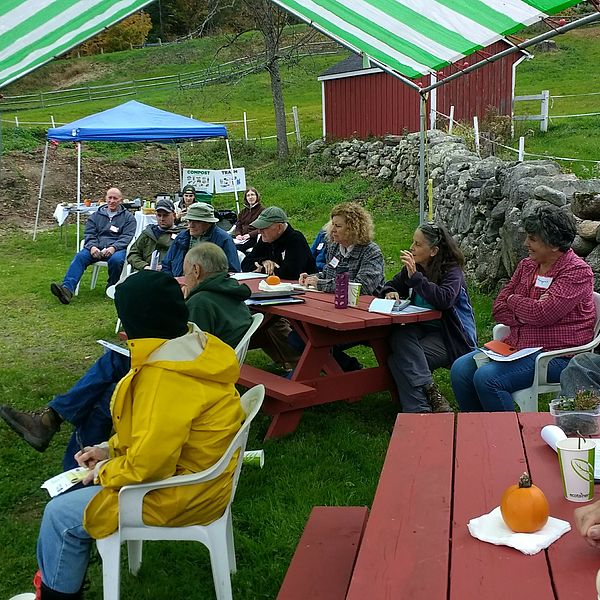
366	101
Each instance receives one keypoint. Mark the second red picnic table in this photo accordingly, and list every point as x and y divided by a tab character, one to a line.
318	379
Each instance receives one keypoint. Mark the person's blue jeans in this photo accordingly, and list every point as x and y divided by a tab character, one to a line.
83	259
87	404
489	387
63	548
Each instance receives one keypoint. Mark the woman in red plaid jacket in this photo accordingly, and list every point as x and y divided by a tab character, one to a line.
548	303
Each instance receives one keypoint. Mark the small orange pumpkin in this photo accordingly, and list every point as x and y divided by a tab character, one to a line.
524	507
273	280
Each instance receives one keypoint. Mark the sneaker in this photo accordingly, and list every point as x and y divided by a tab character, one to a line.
63	293
36	428
437	400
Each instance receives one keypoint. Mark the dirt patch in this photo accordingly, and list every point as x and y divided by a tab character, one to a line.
151	171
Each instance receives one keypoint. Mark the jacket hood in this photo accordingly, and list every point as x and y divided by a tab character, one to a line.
197	354
103	210
222	284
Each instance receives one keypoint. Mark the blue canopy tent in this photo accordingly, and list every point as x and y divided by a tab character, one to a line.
131	122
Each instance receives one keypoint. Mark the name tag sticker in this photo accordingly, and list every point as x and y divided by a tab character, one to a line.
173	236
283	256
320	246
114	228
543	282
334	262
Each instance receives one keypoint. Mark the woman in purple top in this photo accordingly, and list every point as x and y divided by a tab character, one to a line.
432	277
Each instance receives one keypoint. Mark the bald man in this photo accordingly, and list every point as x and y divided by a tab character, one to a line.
107	234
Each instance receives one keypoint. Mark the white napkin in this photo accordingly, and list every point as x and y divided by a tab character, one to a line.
263	286
492	528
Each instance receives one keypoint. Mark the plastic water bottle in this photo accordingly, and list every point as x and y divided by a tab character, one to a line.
342	278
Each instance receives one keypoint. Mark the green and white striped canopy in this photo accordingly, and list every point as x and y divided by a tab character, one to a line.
32	32
416	37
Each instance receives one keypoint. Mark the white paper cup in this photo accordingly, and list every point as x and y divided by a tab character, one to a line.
353	293
576	459
255	458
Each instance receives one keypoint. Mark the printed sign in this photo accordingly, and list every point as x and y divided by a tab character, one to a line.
201	179
224	181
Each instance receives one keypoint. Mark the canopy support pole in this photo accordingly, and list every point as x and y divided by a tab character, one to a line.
78	193
180	170
422	126
235	190
39	202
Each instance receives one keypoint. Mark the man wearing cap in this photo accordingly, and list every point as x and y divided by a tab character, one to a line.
175	412
201	220
157	236
107	234
281	250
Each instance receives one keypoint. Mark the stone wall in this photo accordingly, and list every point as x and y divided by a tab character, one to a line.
481	201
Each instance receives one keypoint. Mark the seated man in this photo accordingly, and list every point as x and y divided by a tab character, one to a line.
176	412
216	305
201	228
107	234
281	250
157	236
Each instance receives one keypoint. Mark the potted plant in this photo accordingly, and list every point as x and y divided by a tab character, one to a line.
578	415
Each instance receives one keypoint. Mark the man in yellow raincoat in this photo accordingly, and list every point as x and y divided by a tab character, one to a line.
175	412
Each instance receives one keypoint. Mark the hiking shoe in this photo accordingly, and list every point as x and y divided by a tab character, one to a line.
63	293
437	400
36	428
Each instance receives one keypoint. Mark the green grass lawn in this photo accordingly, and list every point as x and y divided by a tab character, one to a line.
334	458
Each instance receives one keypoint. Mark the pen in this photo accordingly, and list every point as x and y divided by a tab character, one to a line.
78	440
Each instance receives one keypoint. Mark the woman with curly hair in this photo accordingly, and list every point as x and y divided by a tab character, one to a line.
548	303
432	277
351	245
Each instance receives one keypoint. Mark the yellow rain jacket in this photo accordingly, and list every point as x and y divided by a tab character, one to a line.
174	413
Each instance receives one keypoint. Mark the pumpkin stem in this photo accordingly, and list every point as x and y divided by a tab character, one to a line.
525	480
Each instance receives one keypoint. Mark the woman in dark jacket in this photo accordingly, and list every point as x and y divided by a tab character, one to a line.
244	234
432	277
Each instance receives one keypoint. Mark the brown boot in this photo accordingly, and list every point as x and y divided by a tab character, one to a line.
36	428
437	400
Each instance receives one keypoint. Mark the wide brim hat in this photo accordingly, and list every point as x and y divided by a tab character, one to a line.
200	211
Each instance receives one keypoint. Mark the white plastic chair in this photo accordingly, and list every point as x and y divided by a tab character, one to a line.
95	271
527	399
216	536
242	348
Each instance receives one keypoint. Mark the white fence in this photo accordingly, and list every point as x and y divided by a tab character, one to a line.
546	103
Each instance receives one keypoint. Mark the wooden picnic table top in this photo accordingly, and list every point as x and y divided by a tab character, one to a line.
442	470
318	309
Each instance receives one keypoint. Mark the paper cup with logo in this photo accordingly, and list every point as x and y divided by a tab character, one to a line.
255	458
353	293
576	459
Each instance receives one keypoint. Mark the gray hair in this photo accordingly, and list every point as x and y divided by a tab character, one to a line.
209	257
553	226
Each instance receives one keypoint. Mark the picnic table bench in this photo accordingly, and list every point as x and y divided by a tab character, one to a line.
441	471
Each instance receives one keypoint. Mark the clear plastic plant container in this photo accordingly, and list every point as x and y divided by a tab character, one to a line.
572	422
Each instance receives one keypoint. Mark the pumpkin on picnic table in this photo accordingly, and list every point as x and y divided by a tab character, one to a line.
524	506
273	280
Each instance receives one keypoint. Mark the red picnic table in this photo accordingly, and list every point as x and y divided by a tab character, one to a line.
441	471
318	379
